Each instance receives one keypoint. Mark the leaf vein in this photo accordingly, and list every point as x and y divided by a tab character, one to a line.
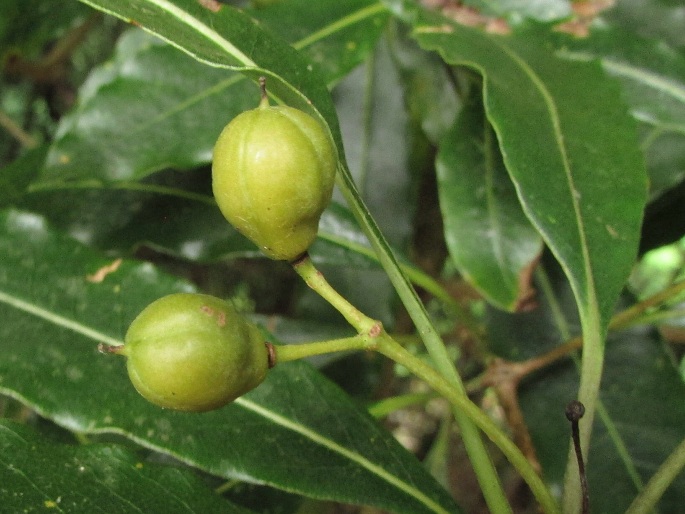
337	448
57	319
563	152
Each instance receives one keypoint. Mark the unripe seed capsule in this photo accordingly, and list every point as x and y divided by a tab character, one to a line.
272	176
193	352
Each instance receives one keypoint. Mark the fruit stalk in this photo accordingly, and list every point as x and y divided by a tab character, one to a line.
375	337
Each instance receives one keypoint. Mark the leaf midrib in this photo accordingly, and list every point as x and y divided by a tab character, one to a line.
355	17
494	212
57	319
590	305
80	328
647	78
331	445
201	28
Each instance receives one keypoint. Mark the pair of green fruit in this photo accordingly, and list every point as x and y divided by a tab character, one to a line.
272	177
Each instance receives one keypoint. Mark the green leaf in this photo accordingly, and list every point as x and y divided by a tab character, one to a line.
378	145
652	75
489	238
172	212
133	119
568	145
641	417
39	475
185	228
658	19
430	95
284	433
337	36
17	175
186	224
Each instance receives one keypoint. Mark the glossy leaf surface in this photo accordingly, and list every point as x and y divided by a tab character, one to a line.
132	120
568	144
489	238
57	308
652	75
37	474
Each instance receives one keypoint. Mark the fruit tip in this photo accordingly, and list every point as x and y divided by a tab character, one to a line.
109	348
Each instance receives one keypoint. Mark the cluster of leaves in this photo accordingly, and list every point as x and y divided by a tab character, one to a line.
535	129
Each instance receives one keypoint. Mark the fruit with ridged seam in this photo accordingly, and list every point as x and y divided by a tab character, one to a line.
193	352
272	177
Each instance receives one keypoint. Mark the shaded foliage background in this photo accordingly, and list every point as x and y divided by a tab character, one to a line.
105	151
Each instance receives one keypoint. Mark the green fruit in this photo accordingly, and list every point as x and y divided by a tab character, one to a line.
193	352
272	176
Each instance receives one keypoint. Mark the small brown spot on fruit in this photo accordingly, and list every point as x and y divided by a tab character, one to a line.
271	354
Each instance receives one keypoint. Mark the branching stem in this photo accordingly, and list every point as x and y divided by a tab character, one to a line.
372	335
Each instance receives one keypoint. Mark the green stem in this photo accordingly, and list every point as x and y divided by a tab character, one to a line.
478	454
373	336
315	280
626	317
391	349
291	352
591	371
648	498
227	486
387	406
655	318
591	366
